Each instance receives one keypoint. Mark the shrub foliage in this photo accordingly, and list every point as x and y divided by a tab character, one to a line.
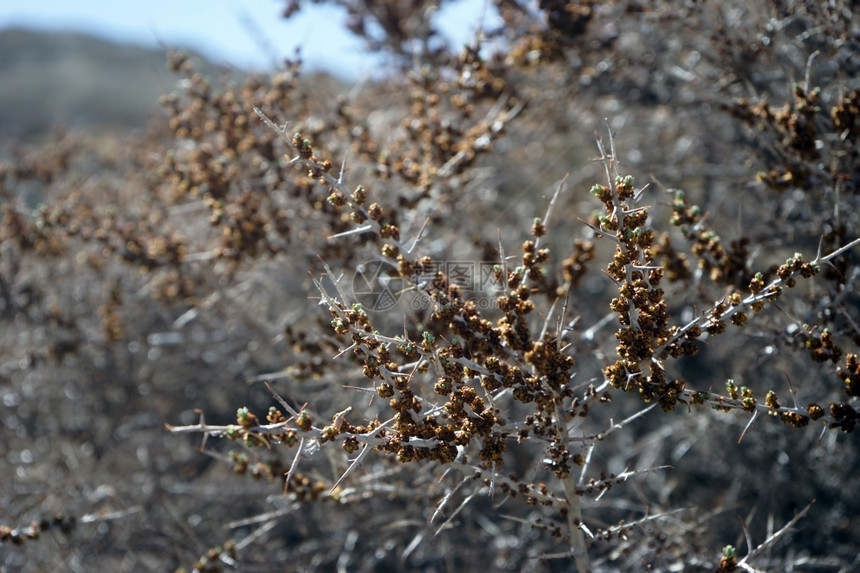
443	352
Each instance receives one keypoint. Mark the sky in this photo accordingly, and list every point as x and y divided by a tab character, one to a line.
245	34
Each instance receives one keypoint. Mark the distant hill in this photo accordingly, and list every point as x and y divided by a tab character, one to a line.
76	81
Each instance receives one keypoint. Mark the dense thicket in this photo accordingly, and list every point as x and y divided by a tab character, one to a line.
580	295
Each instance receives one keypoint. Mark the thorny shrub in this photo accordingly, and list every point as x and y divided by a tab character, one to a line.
576	395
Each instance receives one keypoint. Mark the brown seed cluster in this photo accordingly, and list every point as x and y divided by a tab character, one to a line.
723	265
212	561
18	535
641	308
647	338
850	374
